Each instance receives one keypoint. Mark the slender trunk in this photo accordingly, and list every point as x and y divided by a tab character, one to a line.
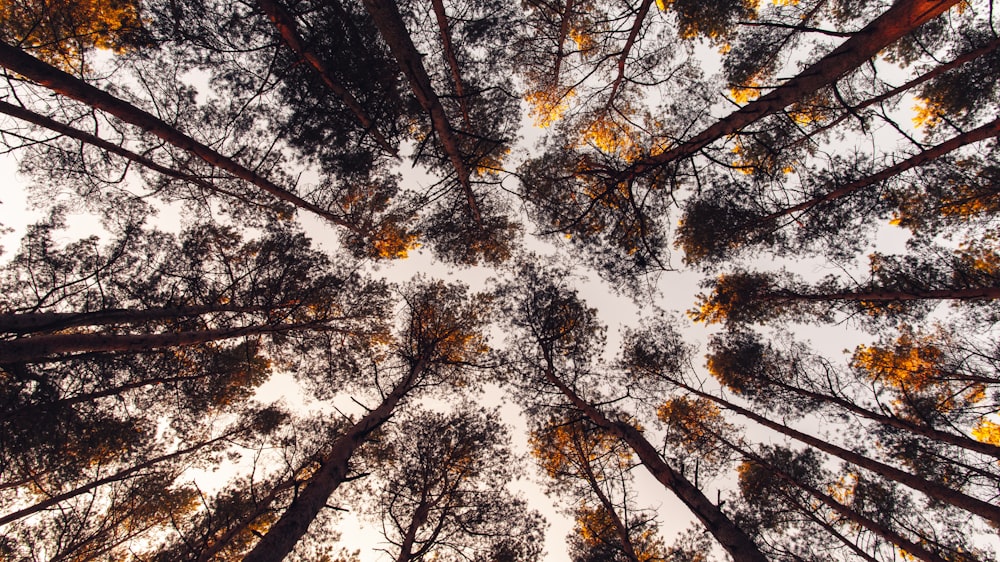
88	138
826	526
900	19
31	322
933	490
620	529
929	75
91	396
563	33
42	348
385	14
731	537
640	17
889	295
67	85
262	506
898	423
116	477
294	522
286	26
912	548
449	52
982	133
410	537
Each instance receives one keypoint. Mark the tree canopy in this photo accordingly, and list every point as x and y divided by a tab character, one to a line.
356	280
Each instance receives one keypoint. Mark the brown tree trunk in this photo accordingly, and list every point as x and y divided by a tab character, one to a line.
912	548
116	477
933	490
262	507
903	17
31	322
620	529
731	537
385	14
640	17
42	348
294	522
67	85
449	52
285	24
982	133
898	423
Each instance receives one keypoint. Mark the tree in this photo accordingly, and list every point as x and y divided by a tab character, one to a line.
561	336
441	336
442	491
590	468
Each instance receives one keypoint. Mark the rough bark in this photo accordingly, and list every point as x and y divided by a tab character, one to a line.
731	537
385	14
449	52
287	28
294	522
640	17
67	85
902	18
44	347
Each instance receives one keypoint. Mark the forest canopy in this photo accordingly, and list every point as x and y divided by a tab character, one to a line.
695	280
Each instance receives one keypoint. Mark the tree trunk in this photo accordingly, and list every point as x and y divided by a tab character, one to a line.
31	322
285	24
385	14
42	348
903	17
640	17
116	477
912	548
262	506
88	138
74	88
982	133
294	522
620	529
449	53
933	490
731	537
898	423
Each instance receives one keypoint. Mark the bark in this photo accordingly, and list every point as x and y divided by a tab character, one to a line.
31	322
982	133
42	348
294	522
449	53
116	477
875	527
731	537
385	14
88	138
69	86
285	24
629	43
927	76
933	490
903	17
410	537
